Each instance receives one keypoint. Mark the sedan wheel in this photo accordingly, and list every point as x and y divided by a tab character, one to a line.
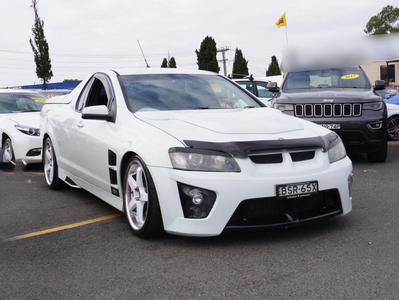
50	166
141	201
8	152
393	128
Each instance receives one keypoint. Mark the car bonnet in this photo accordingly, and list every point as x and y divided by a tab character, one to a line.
229	124
31	119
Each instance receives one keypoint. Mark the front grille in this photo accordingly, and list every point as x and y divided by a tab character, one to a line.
328	110
271	212
275	158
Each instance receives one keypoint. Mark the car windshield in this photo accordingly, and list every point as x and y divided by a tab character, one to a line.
183	92
21	102
350	77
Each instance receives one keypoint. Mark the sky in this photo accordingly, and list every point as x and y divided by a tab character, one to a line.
88	35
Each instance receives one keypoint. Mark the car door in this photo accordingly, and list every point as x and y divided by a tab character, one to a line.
93	136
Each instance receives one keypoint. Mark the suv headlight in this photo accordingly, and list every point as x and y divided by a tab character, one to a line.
335	147
28	130
373	105
202	160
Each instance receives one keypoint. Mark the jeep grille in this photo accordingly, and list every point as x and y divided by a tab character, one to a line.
328	110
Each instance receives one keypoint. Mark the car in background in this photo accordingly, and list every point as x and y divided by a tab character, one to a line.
54	92
387	92
393	121
341	99
191	153
19	126
258	86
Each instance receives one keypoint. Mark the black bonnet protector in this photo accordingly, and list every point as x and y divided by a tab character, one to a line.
243	149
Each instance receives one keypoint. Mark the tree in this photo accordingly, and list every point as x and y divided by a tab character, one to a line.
240	65
164	63
172	63
40	49
274	68
385	22
206	56
169	64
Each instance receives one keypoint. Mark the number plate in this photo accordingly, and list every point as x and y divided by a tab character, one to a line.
297	190
331	126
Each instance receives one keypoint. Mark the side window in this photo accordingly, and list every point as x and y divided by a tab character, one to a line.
97	95
263	92
247	85
93	94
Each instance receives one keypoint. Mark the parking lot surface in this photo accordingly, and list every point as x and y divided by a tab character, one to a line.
69	244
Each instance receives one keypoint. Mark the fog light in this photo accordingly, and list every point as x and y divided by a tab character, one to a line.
196	196
34	152
375	125
196	202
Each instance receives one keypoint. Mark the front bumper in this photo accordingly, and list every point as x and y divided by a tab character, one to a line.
254	182
27	149
365	134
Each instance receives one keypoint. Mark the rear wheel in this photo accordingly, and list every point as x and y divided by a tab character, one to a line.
8	152
393	128
50	166
140	200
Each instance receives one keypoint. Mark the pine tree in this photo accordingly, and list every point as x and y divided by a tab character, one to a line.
164	63
172	63
40	49
274	68
206	56
240	65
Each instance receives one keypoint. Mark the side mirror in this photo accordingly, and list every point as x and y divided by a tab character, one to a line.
379	85
272	86
97	112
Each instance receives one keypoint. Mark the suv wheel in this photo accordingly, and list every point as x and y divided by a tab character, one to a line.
381	154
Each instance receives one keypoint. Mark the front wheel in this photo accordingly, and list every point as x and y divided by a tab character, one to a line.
381	154
140	200
8	152
50	166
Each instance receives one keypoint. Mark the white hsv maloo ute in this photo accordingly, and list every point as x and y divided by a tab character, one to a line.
192	153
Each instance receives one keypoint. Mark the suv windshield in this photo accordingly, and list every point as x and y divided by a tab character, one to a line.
182	91
349	77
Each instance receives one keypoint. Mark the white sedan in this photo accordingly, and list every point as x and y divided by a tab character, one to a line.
19	126
191	153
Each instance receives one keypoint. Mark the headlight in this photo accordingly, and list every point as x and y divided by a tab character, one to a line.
373	105
286	108
202	160
335	147
28	130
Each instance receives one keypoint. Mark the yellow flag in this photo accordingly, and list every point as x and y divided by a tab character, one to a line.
282	21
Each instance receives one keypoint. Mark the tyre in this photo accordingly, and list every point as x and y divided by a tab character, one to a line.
140	200
393	128
381	154
50	166
8	152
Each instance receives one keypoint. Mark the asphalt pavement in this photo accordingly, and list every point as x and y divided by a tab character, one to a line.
69	244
